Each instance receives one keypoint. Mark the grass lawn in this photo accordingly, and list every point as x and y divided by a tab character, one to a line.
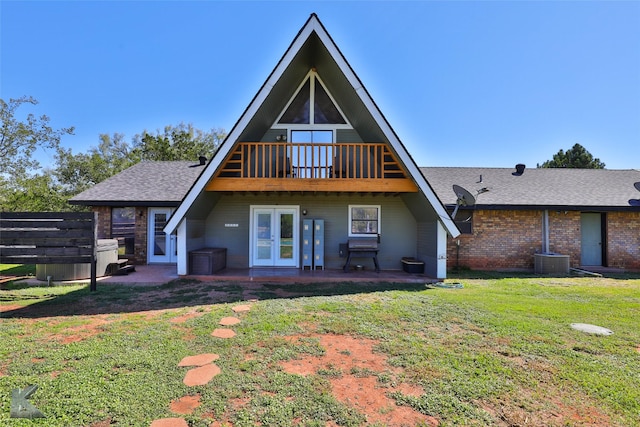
18	269
499	351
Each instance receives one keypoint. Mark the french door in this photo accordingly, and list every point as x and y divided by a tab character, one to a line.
161	248
274	236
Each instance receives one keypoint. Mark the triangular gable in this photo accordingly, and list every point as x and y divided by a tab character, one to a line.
312	26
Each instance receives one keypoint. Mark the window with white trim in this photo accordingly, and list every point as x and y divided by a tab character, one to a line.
312	105
364	220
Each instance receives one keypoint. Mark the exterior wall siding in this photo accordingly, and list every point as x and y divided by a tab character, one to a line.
508	240
398	227
623	240
140	243
500	240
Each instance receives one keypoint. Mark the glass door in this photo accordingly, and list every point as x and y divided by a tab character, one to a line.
161	248
274	237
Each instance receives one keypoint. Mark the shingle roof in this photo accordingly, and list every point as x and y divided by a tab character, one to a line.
602	188
144	184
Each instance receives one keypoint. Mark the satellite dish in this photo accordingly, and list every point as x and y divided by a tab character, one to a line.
634	202
637	185
464	199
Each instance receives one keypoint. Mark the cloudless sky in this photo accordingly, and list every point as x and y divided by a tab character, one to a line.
486	84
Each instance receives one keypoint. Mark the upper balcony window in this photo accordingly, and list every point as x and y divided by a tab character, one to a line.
312	105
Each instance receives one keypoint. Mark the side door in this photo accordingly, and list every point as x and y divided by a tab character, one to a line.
160	247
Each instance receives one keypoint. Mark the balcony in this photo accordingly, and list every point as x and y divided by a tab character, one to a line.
341	167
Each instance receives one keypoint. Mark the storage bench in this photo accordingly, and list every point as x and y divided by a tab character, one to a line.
412	265
207	260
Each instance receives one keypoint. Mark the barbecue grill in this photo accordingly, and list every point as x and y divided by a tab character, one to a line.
362	247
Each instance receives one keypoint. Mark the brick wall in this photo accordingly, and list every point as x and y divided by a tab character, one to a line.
140	243
623	240
104	221
504	240
141	236
564	235
500	240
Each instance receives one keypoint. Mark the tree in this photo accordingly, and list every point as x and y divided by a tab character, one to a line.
20	139
577	157
33	193
77	172
182	142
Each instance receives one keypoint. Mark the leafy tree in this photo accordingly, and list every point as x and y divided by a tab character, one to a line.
33	193
77	172
577	157
181	142
19	139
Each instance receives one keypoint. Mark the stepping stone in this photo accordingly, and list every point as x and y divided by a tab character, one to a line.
591	329
229	321
199	360
241	308
223	333
185	405
170	422
201	375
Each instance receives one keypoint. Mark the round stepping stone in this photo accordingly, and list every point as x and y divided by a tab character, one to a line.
229	321
170	422
241	308
591	329
223	333
199	360
201	375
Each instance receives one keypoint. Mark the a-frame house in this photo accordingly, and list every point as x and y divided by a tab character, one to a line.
312	144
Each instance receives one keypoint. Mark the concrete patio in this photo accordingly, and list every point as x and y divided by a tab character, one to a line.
160	274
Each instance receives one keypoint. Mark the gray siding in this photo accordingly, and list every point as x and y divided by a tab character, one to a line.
398	227
348	135
427	248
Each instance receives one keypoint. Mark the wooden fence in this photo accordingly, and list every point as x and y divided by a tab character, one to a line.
49	238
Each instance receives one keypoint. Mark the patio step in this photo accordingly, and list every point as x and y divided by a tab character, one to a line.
121	267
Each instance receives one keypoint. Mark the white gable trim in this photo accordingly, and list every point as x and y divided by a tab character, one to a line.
312	25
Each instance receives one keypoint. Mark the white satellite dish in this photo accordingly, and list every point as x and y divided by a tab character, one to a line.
464	198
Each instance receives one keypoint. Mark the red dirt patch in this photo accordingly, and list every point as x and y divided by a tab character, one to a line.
183	318
223	333
185	405
201	375
81	332
170	422
10	307
229	321
356	383
199	360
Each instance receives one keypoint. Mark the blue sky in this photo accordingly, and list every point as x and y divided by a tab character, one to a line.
462	83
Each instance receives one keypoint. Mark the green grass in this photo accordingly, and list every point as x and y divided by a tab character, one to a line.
18	269
499	351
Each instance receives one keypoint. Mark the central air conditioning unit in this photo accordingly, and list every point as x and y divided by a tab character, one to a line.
551	263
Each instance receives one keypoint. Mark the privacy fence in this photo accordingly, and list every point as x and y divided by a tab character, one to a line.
49	238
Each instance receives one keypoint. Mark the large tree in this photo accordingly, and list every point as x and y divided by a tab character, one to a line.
77	172
181	142
34	193
576	157
19	139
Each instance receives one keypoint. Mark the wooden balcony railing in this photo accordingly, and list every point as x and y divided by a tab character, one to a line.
282	163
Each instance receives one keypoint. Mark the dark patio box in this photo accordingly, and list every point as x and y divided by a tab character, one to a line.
412	265
207	260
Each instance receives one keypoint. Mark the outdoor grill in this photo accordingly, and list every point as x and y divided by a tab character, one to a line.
362	247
